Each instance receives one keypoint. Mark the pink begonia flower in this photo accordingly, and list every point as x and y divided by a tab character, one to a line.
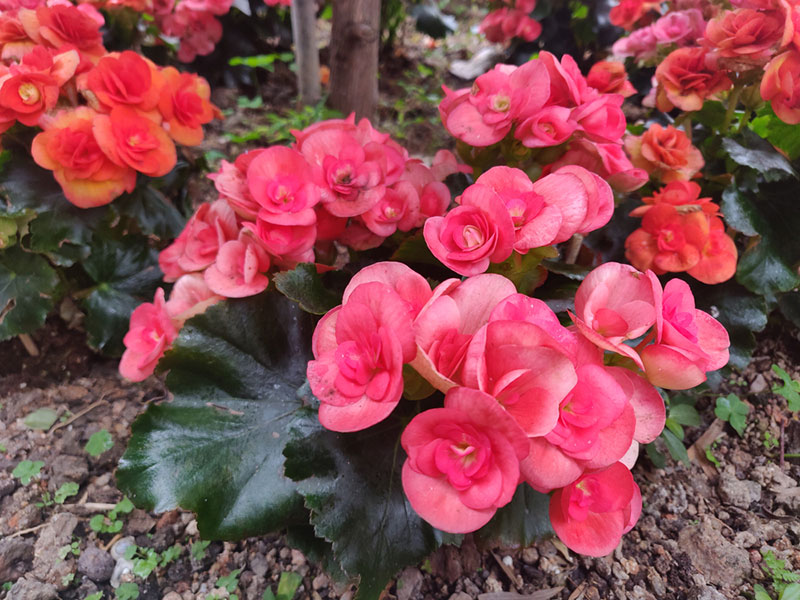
445	325
536	223
150	334
359	351
591	515
550	126
281	181
356	235
445	163
595	428
608	161
329	227
689	342
231	183
504	24
463	461
286	3
647	404
585	201
398	209
615	303
524	368
641	44
190	296
288	244
679	27
197	245
484	115
412	287
239	269
473	235
602	119
568	86
609	77
199	32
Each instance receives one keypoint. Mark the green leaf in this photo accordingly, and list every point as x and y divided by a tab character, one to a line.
685	414
789	390
95	596
198	549
731	409
108	313
676	428
28	286
217	446
791	592
741	312
675	446
42	418
789	304
67	489
97	523
780	134
152	211
414	250
521	522
712	115
351	483
288	584
658	459
127	591
772	165
100	441
304	285
770	215
27	470
230	581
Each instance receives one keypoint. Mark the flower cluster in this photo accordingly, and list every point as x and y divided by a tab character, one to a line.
511	20
547	104
682	232
504	212
134	111
665	153
526	398
707	48
341	182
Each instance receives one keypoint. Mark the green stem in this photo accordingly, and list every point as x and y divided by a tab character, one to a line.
733	101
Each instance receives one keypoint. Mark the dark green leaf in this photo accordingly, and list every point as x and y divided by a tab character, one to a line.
216	449
675	427
769	264
766	160
789	303
731	409
574	272
685	414
304	285
658	459
152	211
675	446
741	312
712	115
108	313
415	250
520	523
356	499
28	286
128	265
790	389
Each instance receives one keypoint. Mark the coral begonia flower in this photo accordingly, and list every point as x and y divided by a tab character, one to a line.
688	77
190	296
665	152
280	181
445	325
745	37
62	25
239	268
359	352
473	235
780	86
609	77
689	342
150	334
129	138
68	147
591	515
185	106
463	461
122	79
717	257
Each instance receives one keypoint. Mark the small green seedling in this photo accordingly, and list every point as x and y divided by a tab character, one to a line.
41	419
95	596
127	591
710	455
734	411
101	441
67	489
198	549
146	560
789	390
110	523
769	441
230	581
785	581
27	470
287	586
67	579
6	586
73	548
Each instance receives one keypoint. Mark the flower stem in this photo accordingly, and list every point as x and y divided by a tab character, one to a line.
733	101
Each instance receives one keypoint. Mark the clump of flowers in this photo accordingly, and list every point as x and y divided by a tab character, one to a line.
546	114
511	19
682	232
525	397
104	116
341	183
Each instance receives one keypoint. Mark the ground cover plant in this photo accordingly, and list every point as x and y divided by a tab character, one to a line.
386	356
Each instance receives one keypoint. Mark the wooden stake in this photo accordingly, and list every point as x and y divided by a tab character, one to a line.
304	32
29	344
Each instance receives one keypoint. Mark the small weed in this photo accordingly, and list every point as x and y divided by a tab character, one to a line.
734	411
67	579
127	591
110	523
67	489
73	548
146	560
198	550
770	441
101	441
41	419
3	448
95	596
710	455
287	586
230	581
790	389
7	586
263	61
27	470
